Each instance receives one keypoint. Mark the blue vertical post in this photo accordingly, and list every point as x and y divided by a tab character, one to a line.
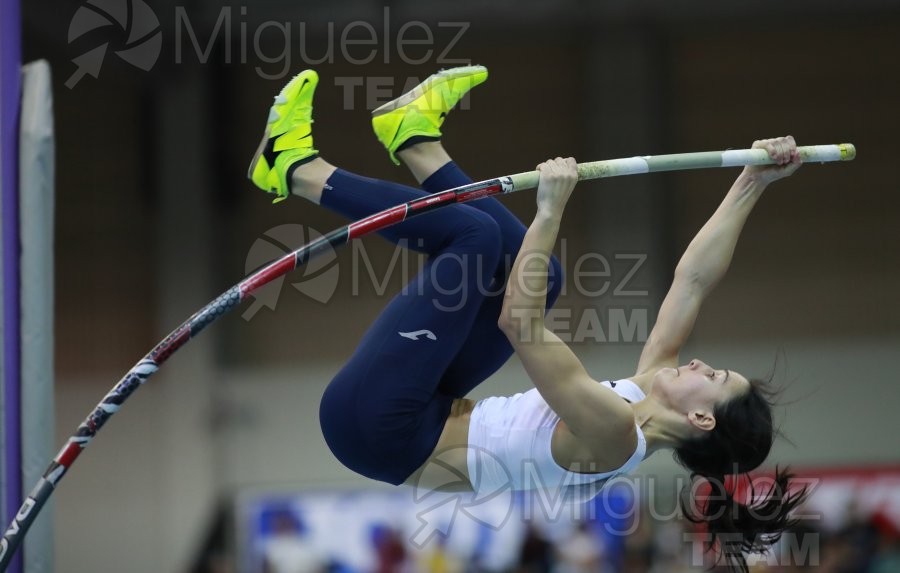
10	69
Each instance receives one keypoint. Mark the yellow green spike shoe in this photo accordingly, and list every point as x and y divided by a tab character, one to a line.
421	111
288	138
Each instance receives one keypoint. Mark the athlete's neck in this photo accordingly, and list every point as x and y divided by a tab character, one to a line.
644	381
662	427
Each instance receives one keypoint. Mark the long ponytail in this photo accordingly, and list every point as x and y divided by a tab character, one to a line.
739	443
736	529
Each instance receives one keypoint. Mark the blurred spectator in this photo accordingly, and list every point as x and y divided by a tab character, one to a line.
288	549
215	554
580	553
639	549
439	560
389	551
537	553
886	557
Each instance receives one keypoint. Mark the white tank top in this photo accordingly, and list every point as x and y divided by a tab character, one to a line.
510	439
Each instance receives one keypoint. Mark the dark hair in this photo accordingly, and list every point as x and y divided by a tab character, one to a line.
739	442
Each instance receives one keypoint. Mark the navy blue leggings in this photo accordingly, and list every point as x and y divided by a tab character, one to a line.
436	340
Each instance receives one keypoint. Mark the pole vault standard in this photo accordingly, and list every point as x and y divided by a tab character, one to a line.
231	298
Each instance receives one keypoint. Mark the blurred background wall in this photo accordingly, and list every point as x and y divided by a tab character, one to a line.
156	217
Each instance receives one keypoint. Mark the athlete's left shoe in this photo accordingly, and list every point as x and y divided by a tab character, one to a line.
288	137
420	112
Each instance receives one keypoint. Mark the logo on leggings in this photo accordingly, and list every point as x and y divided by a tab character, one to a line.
415	335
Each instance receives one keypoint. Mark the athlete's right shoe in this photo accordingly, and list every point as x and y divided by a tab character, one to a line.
288	137
420	112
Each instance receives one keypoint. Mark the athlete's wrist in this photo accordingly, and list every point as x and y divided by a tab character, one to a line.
751	183
547	215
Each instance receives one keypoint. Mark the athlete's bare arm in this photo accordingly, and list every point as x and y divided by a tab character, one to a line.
591	411
707	258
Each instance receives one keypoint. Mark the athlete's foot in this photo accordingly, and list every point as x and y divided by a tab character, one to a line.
287	143
407	124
